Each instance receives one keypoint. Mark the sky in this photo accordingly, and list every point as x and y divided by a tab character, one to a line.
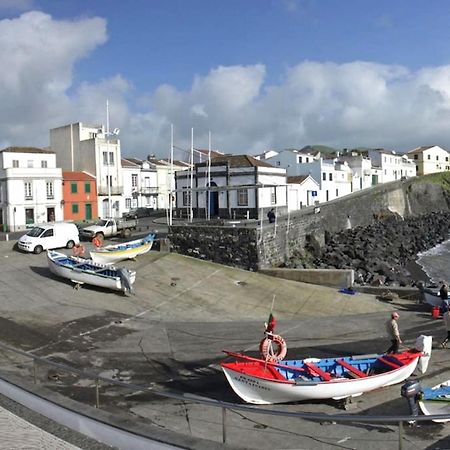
251	75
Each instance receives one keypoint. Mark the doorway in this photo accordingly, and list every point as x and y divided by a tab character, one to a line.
88	211
50	214
213	204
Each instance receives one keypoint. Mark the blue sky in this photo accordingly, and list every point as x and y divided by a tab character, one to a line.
257	74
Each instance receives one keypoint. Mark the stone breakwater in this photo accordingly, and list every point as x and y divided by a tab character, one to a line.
379	253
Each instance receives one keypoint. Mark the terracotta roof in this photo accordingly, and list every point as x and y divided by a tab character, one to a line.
26	150
77	176
239	161
297	179
129	163
420	149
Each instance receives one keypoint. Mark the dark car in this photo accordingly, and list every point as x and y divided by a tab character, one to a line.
138	212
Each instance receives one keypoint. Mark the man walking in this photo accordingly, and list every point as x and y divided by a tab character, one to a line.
393	332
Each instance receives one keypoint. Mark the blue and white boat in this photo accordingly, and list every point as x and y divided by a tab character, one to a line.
85	271
436	400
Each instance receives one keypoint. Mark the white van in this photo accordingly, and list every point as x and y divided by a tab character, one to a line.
47	237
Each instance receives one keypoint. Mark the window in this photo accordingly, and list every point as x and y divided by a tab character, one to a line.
273	195
128	203
324	176
111	158
133	180
186	197
43	164
74	208
299	159
446	159
28	190
30	163
47	233
105	158
73	188
330	176
87	188
437	157
242	197
49	189
429	157
15	163
307	160
416	156
337	192
109	180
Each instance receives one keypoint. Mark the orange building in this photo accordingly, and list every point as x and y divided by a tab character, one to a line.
79	196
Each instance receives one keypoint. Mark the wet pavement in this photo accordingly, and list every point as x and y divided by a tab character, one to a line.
171	334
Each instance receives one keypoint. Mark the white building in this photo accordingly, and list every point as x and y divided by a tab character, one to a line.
429	159
140	184
361	166
233	186
87	148
391	165
303	191
30	188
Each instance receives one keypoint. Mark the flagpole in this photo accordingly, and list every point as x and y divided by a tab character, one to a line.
171	175
191	212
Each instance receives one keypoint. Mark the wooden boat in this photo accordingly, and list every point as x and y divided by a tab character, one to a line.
85	271
112	254
260	381
436	400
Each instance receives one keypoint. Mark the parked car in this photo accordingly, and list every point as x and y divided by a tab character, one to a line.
136	213
48	237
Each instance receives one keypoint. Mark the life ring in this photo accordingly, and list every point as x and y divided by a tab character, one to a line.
78	250
97	242
273	348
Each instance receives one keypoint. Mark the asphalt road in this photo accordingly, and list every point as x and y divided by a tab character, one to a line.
171	334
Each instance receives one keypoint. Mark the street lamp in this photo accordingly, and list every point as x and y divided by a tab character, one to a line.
115	132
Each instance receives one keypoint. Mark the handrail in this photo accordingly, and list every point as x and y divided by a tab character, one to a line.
346	417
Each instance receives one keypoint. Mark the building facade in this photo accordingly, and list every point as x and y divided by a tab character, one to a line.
79	197
30	188
429	159
88	148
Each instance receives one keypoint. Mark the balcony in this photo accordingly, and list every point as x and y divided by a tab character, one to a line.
148	191
115	190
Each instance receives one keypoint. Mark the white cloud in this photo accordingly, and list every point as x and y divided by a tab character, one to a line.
37	56
343	105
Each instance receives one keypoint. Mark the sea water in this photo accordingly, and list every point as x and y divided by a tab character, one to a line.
436	262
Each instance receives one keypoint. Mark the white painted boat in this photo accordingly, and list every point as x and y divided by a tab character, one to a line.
261	382
85	271
114	253
436	400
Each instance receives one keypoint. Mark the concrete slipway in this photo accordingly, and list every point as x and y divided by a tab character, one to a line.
171	334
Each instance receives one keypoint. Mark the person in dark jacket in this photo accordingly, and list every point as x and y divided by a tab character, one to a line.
271	215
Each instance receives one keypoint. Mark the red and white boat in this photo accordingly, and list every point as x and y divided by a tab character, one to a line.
264	381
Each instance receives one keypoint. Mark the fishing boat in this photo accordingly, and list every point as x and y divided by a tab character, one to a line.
436	400
264	381
432	297
114	253
85	271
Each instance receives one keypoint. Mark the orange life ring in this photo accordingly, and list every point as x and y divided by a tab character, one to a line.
78	250
97	242
273	348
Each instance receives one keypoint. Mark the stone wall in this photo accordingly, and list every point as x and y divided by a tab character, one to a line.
254	247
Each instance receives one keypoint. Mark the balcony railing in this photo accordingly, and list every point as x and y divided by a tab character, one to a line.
148	190
115	190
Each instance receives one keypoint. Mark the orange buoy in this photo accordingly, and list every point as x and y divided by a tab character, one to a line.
97	242
273	348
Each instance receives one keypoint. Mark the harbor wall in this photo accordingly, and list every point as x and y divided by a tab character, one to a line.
253	246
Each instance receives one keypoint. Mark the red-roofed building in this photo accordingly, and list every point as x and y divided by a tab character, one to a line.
79	196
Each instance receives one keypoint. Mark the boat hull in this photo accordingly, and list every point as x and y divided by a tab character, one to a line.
112	254
97	275
258	390
432	298
430	407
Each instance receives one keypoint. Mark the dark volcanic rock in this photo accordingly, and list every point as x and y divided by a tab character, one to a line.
380	252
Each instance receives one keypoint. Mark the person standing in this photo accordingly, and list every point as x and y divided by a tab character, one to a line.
271	216
446	319
394	333
443	292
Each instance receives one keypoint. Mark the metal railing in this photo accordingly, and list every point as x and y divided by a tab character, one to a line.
399	420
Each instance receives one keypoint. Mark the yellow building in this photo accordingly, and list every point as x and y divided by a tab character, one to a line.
430	159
